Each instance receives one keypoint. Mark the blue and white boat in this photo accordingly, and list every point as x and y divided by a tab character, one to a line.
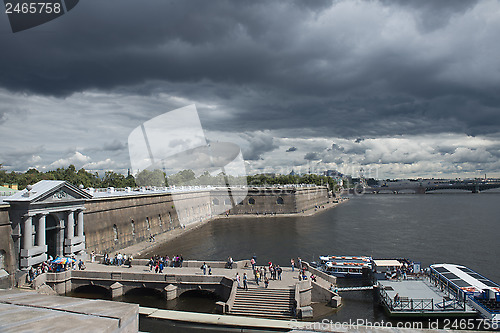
464	283
346	266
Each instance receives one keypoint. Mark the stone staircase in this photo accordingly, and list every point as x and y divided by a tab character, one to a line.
264	302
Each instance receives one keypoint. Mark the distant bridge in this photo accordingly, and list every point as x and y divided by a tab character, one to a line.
475	186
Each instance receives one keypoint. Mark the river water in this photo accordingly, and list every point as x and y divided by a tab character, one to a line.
460	228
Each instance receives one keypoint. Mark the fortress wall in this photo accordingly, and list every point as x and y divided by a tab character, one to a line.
7	253
308	197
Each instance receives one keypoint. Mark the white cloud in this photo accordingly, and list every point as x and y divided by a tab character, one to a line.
77	159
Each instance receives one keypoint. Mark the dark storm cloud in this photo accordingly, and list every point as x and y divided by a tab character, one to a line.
432	15
114	145
291	149
312	156
342	68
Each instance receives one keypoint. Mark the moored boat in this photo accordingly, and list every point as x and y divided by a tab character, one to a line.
346	266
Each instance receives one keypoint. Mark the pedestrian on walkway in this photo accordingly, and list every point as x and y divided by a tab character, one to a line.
245	281
292	262
279	271
204	268
257	276
209	270
252	261
266	282
238	280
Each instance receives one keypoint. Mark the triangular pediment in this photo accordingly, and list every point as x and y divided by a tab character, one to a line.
50	191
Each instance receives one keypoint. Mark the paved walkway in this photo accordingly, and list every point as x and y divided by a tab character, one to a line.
288	280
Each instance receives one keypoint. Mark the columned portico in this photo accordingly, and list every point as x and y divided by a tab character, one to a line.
30	253
55	208
74	244
40	233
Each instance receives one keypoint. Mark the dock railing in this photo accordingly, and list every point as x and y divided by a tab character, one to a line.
420	304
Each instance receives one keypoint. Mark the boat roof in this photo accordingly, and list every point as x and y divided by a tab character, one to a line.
347	264
344	258
464	277
387	263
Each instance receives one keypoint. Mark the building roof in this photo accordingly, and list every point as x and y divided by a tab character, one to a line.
4	191
387	263
43	188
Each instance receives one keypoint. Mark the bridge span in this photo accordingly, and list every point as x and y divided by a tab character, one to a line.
421	187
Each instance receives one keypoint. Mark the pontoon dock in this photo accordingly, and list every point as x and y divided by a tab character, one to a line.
419	298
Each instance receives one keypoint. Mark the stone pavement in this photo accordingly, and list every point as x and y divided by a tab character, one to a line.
288	280
28	311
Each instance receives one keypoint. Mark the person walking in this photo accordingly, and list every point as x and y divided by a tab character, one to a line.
204	268
238	280
209	270
292	262
266	282
279	271
257	276
245	281
252	261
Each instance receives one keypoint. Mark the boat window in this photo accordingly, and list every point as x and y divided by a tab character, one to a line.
450	276
441	269
461	283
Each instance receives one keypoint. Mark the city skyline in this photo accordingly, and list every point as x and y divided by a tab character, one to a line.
400	89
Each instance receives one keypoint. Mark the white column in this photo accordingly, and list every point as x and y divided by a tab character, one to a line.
40	234
70	225
80	223
27	233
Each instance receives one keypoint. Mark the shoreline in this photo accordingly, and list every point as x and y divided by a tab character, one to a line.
137	250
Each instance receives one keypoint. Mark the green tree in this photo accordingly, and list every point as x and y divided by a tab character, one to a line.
150	178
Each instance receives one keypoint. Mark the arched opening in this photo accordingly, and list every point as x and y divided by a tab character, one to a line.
132	224
200	293
51	235
251	201
148	224
115	232
92	292
227	202
215	201
198	300
159	220
148	297
280	201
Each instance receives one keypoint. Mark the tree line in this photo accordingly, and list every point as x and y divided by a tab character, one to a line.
155	178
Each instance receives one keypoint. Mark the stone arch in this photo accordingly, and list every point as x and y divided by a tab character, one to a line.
227	202
144	291
148	225
215	201
132	226
93	289
280	201
251	201
202	293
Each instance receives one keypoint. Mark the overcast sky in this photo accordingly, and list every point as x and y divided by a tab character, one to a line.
398	88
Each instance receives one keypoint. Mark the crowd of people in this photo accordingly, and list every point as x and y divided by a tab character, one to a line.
118	259
158	263
53	266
